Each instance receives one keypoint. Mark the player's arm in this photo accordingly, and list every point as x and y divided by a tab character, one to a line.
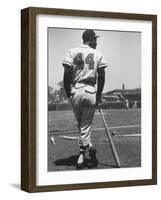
67	80
100	85
101	77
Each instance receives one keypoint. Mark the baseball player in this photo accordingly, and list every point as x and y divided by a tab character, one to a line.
84	67
125	101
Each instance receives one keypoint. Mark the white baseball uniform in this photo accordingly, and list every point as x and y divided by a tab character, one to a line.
85	62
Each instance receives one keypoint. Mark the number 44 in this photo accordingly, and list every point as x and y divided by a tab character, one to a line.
80	62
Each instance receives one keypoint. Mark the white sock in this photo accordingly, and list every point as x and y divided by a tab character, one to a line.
80	158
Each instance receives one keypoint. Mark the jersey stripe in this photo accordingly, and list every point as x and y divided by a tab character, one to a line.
67	63
103	65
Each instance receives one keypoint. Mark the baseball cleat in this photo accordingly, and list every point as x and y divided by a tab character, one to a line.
80	166
92	154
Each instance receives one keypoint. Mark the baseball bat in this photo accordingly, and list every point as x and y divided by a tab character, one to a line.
115	154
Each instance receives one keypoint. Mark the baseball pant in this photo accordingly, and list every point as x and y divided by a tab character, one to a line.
83	102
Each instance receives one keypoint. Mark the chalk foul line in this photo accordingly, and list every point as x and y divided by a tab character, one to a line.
52	132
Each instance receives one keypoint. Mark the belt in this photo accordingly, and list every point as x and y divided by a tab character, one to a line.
80	85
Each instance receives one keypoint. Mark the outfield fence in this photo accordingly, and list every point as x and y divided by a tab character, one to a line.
106	105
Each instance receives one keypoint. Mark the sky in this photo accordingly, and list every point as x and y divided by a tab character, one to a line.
121	50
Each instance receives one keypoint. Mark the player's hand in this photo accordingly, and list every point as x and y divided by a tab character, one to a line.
69	94
98	102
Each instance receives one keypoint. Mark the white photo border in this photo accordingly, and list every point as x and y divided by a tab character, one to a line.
43	177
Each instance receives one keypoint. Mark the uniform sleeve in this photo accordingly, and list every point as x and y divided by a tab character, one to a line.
102	62
68	60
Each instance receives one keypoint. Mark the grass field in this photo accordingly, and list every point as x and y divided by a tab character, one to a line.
63	155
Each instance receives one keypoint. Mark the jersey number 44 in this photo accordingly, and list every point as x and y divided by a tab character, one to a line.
80	61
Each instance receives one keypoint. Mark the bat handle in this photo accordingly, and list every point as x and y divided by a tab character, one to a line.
116	157
99	108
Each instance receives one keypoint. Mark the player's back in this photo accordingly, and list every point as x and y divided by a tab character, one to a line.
85	64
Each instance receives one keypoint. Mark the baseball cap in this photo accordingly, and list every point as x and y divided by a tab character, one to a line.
89	34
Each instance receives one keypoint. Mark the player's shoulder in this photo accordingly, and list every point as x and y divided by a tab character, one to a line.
85	48
98	53
74	50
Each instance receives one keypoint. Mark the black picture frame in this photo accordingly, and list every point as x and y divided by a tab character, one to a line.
28	98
